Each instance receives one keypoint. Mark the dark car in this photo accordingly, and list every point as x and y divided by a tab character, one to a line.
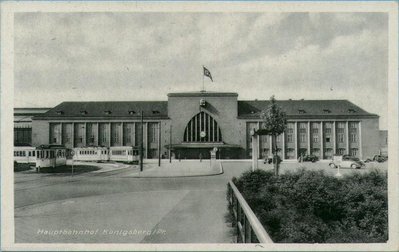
309	158
380	158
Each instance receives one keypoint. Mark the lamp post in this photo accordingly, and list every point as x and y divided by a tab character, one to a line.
159	144
170	143
141	141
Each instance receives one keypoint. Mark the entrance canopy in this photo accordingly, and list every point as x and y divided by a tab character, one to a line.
202	146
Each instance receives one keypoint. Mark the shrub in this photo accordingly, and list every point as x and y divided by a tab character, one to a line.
310	206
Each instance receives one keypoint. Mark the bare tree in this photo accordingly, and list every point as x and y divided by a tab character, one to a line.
275	123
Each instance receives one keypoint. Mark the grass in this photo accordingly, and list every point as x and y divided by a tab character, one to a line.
19	167
67	169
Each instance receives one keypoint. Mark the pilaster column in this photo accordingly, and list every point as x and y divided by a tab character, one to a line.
321	140
309	138
134	134
334	137
109	134
146	145
97	135
360	141
347	136
84	138
73	135
121	134
296	139
259	142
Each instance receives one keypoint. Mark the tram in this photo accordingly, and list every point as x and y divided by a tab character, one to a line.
24	154
103	154
50	156
94	154
123	153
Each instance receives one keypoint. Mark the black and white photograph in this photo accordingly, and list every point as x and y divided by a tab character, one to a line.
199	126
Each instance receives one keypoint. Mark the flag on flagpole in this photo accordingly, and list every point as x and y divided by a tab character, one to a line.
207	73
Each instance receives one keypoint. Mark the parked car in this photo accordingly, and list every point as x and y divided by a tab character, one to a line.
309	158
346	161
380	158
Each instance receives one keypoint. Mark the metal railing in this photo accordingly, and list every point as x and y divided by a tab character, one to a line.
248	227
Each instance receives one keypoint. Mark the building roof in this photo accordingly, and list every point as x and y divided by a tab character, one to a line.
295	109
306	109
23	116
107	110
203	94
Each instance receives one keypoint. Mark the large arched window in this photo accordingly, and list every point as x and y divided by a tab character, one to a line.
202	128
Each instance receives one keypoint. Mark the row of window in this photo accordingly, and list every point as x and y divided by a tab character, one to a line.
328	152
353	138
23	153
50	154
105	133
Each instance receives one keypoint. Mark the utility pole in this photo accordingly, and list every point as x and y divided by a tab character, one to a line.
170	143
141	141
159	144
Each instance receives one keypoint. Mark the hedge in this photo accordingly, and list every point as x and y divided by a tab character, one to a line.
312	207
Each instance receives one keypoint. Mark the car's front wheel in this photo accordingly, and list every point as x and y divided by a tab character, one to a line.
333	165
353	166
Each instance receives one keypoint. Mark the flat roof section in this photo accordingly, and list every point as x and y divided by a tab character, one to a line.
203	94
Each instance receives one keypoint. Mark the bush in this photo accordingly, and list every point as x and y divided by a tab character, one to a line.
18	167
310	206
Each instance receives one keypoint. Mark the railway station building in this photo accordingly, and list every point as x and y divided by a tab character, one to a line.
193	123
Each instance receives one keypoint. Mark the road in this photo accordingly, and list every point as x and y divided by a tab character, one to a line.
112	207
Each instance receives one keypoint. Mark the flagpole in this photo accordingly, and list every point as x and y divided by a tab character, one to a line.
203	87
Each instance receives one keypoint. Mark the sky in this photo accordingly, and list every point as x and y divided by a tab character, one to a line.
143	56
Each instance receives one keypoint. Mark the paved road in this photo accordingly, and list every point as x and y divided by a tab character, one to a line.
111	207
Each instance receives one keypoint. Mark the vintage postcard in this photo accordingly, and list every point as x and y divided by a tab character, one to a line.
219	126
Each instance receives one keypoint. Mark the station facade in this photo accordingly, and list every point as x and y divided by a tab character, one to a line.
191	124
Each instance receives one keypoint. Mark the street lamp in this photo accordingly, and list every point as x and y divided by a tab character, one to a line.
141	141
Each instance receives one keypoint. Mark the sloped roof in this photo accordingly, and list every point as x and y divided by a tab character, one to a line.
304	109
107	110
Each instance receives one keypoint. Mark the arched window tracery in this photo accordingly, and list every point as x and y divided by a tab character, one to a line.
202	128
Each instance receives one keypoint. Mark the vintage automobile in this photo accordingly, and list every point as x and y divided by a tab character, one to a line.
309	158
346	161
380	158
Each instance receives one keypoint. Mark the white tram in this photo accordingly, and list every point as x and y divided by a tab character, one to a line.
94	154
102	154
24	154
123	153
50	156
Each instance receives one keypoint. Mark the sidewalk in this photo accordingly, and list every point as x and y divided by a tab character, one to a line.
179	169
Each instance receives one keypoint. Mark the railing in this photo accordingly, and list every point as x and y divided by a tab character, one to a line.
248	227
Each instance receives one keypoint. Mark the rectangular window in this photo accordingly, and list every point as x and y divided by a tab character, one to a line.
302	138
353	137
340	138
328	139
353	152
353	125
315	138
289	138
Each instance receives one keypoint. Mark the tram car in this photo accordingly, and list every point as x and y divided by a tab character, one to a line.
123	154
50	156
93	154
24	154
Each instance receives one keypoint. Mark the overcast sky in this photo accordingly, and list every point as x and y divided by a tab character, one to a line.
143	56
